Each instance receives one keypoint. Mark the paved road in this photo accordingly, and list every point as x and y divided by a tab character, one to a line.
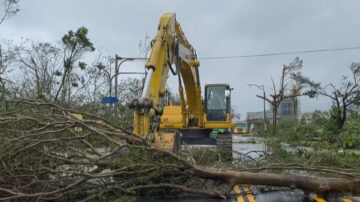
244	194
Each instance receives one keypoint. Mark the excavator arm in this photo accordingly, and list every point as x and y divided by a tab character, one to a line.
170	51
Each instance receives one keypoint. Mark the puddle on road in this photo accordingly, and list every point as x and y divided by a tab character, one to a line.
246	144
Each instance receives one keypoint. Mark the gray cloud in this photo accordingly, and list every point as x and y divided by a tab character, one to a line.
215	28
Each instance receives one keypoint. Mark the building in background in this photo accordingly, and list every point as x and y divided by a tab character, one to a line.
256	117
288	108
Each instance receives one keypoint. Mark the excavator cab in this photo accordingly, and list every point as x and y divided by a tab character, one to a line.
217	110
217	102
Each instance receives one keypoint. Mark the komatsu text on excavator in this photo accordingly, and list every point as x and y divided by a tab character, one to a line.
192	121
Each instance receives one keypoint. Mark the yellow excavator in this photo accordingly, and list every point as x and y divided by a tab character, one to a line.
191	122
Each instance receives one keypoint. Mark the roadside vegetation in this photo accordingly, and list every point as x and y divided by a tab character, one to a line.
337	128
317	130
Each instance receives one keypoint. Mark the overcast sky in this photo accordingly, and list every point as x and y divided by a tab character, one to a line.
214	28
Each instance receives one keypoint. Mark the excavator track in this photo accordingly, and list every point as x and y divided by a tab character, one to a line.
196	137
202	137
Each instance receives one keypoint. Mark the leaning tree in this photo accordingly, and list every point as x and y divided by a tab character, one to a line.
342	96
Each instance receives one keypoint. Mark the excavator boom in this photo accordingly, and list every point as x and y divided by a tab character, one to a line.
169	48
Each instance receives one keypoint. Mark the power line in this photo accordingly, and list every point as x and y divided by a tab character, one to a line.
280	53
272	54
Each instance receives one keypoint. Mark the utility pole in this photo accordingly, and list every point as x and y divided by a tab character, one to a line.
111	76
261	87
117	67
264	108
116	71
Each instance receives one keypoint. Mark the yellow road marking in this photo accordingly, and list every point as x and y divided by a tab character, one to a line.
345	199
248	194
239	196
318	199
357	198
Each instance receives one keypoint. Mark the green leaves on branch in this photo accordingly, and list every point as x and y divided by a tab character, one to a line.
350	136
58	73
82	65
355	68
74	84
311	93
311	87
78	41
75	45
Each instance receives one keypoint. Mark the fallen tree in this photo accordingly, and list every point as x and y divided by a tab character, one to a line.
47	153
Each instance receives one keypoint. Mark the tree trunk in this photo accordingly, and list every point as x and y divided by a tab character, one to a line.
61	86
343	117
274	120
312	184
69	92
